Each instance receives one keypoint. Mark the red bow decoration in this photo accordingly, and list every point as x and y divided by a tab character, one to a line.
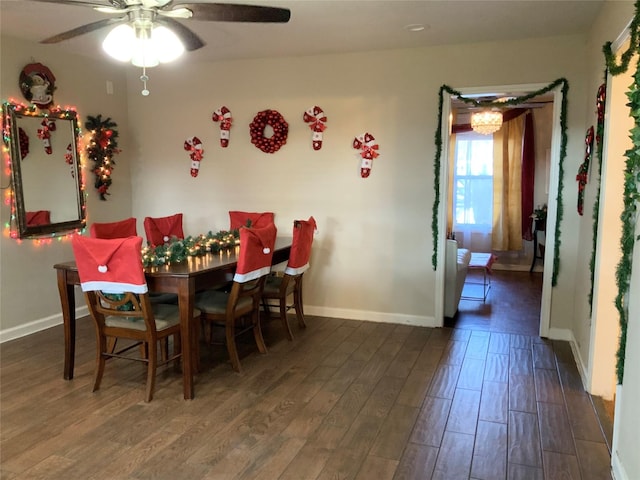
44	135
223	115
194	145
368	151
583	171
316	119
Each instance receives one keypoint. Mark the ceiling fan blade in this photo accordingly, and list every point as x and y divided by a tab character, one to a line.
230	12
90	27
190	40
78	3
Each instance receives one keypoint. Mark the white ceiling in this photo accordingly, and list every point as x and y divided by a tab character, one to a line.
328	26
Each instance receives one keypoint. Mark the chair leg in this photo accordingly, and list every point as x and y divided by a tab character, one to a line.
101	359
111	344
283	317
297	303
231	346
177	348
151	370
257	331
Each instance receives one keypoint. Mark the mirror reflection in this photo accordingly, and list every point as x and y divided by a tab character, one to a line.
45	170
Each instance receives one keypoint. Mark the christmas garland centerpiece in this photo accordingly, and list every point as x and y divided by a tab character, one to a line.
280	127
102	147
178	250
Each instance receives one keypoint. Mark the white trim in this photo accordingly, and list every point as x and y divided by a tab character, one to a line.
365	315
113	287
568	336
252	275
617	469
37	325
296	270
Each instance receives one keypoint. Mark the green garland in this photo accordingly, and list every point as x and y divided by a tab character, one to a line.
178	250
631	180
101	149
489	104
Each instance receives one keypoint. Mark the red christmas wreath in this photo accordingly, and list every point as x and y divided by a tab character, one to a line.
280	131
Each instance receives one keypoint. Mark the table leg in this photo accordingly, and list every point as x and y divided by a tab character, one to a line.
68	303
185	302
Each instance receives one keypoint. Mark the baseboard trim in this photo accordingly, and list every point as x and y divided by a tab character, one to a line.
617	469
567	335
37	325
380	317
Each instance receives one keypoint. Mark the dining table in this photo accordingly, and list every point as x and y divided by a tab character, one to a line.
185	279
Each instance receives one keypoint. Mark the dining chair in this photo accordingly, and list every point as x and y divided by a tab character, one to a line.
108	230
228	309
279	288
115	289
160	230
239	219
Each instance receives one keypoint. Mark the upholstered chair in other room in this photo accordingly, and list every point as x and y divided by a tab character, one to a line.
113	281
239	219
229	309
160	230
120	229
279	288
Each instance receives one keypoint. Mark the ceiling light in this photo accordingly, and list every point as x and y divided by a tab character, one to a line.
414	27
143	44
486	122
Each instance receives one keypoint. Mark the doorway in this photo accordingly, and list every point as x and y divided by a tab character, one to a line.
553	174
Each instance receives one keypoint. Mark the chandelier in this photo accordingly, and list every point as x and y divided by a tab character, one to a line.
143	43
486	122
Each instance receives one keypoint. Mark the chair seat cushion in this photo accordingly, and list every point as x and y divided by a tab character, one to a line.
273	284
215	302
165	315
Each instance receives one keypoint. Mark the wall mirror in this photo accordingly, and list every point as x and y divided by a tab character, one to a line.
45	170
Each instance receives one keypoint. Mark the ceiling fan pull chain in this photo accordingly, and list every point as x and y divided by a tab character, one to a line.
144	78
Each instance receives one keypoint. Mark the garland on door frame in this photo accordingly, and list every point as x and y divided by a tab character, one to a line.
600	104
101	149
631	180
486	104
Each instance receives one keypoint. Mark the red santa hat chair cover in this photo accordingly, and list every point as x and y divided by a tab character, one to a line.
279	288
225	309
39	217
160	230
112	278
239	219
119	229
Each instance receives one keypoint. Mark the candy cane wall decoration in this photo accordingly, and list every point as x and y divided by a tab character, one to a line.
194	146
45	135
68	157
316	119
223	115
368	151
583	171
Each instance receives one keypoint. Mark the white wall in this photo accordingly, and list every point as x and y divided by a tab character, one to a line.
372	258
29	295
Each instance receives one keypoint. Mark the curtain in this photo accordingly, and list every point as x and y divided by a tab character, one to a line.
528	175
507	185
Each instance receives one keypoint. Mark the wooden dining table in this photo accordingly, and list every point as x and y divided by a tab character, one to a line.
184	279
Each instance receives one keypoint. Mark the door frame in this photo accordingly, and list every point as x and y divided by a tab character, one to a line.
545	306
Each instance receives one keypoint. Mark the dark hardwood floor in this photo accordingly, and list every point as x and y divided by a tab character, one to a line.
344	400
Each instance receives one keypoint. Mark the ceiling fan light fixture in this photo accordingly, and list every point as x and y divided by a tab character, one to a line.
486	122
142	45
117	44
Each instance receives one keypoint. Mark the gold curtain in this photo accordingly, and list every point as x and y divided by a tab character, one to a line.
507	183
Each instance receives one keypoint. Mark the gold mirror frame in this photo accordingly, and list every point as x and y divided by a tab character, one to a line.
42	181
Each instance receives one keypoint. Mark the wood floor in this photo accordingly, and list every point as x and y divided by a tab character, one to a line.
344	400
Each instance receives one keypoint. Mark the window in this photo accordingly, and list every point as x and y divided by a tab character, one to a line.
473	181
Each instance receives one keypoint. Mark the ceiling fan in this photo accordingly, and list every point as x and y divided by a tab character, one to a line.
146	31
164	12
